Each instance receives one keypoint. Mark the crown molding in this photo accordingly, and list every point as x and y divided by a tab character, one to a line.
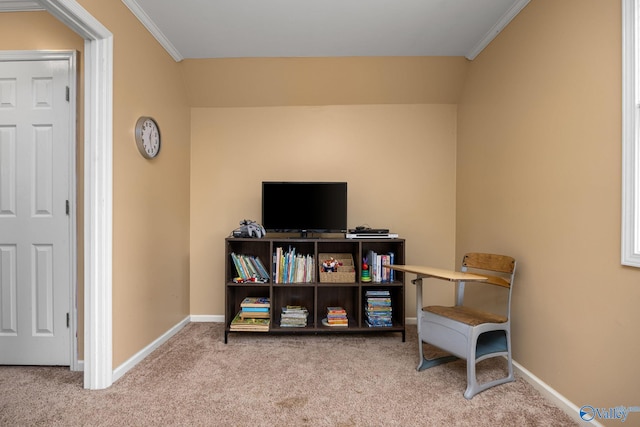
153	29
513	11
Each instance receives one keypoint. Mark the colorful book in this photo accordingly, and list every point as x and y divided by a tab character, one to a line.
261	268
249	324
256	302
239	270
325	322
377	293
255	314
255	309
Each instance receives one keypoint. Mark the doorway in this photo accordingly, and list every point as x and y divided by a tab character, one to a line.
37	222
97	143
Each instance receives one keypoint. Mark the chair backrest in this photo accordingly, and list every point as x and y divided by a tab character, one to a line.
491	262
504	265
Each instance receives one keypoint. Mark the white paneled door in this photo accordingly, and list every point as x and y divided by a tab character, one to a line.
35	220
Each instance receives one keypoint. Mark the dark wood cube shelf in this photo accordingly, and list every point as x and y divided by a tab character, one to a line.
316	295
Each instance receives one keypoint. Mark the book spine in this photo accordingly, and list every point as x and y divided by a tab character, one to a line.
246	262
276	270
261	269
256	302
385	271
292	260
236	263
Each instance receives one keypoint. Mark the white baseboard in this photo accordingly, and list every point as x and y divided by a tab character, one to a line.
552	395
139	356
216	318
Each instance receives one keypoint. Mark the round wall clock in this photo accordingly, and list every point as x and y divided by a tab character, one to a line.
147	137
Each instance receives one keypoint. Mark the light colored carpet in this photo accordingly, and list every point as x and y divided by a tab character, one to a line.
260	380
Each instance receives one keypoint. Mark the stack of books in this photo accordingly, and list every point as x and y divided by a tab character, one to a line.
294	316
378	309
255	307
336	316
253	315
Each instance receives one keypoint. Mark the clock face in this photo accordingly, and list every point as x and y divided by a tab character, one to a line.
148	137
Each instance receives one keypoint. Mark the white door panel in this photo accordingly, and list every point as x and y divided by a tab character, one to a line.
35	273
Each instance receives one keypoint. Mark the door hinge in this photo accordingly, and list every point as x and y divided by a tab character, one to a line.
67	94
67	207
68	320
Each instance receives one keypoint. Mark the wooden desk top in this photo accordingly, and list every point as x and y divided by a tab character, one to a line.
423	271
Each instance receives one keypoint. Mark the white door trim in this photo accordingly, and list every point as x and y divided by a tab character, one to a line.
70	57
98	171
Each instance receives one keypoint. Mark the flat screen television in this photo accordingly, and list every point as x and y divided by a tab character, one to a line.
319	207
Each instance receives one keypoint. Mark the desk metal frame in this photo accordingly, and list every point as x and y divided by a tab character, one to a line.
424	272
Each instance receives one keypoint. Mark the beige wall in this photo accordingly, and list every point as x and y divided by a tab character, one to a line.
539	177
45	33
388	123
260	82
398	160
150	198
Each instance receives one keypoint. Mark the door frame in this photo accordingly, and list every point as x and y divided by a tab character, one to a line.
70	57
98	177
98	192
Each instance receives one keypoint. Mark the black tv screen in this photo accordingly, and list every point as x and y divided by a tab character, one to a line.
304	206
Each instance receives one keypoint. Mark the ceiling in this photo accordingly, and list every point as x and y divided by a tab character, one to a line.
321	28
318	28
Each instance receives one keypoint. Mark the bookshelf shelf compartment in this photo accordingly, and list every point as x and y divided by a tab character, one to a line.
310	292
